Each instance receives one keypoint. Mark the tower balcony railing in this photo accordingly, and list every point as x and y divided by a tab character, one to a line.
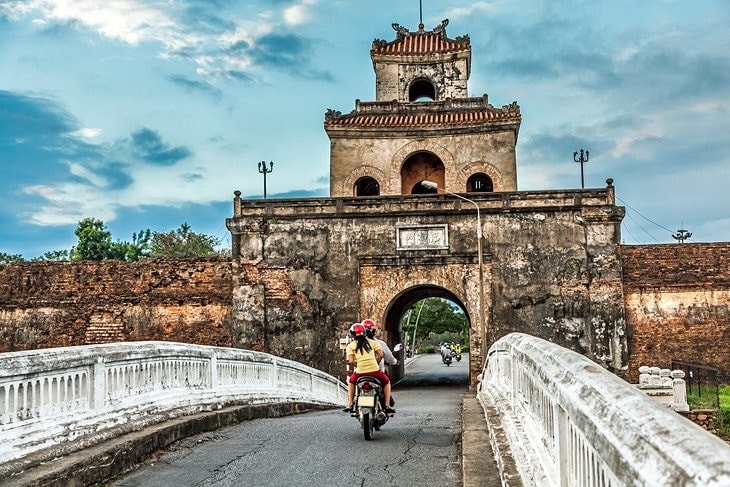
394	106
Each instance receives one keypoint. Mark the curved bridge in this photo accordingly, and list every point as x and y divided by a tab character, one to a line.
554	417
88	394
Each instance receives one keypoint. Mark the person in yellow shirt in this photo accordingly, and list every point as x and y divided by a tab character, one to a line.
364	355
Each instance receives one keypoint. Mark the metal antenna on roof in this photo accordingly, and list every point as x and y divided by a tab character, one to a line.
420	13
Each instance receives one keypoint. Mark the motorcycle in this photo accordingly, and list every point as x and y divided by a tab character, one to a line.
369	399
456	355
370	403
446	358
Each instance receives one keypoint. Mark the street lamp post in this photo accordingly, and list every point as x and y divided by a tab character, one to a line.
264	170
432	185
581	160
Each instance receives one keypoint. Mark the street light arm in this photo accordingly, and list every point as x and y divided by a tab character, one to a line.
482	322
432	185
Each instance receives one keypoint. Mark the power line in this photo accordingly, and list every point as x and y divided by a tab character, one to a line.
644	217
639	225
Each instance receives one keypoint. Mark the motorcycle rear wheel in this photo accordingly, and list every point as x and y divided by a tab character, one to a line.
368	424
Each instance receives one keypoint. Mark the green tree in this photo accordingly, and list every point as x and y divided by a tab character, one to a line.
437	315
10	258
134	251
53	255
183	243
95	241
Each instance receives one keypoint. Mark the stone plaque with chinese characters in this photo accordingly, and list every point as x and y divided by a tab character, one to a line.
423	237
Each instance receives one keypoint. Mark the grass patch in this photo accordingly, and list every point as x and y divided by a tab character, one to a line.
725	398
703	398
722	417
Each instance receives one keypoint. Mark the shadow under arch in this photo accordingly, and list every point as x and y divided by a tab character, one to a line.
396	310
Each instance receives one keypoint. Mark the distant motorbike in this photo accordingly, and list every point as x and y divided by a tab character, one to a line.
446	358
370	403
456	355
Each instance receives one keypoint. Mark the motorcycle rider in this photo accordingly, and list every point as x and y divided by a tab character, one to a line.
445	352
371	331
364	355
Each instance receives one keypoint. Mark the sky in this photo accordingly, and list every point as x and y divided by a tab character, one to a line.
150	114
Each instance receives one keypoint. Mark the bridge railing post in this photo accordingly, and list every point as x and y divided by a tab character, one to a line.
560	435
213	371
98	384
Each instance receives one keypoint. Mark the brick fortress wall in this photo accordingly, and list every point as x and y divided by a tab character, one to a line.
677	300
53	304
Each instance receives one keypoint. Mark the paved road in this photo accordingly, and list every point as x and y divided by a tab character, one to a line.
420	446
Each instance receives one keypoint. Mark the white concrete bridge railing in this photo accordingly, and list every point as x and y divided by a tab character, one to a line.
52	396
558	419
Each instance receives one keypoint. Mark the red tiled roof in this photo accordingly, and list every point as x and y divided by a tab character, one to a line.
420	43
423	119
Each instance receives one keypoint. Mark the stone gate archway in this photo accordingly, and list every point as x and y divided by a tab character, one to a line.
401	303
389	286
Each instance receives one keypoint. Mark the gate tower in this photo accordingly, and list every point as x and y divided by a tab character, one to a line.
539	262
422	124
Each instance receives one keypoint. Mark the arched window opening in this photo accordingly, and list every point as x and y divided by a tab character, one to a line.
421	166
479	183
367	186
422	90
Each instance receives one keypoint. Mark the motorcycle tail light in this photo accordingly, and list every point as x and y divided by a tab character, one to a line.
367	387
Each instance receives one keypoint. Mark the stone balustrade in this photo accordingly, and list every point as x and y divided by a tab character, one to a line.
50	397
557	418
664	386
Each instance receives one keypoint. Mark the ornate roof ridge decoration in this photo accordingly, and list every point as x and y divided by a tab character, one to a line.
452	111
421	41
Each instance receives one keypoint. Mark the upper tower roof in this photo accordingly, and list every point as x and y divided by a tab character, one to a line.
421	65
420	42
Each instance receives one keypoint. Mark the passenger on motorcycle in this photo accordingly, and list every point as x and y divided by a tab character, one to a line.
364	355
371	331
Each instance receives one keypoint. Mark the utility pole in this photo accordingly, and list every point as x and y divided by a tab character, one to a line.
681	235
581	160
263	170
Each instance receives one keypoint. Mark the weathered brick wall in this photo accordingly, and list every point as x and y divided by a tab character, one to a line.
52	304
677	300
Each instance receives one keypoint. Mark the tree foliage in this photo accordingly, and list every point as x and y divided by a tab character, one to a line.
10	258
52	255
95	243
436	316
183	243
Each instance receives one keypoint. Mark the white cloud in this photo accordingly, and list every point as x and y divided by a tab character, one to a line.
67	204
469	10
85	133
298	13
125	20
627	141
80	171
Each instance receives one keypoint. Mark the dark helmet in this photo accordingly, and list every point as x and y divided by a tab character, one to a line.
370	327
357	330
